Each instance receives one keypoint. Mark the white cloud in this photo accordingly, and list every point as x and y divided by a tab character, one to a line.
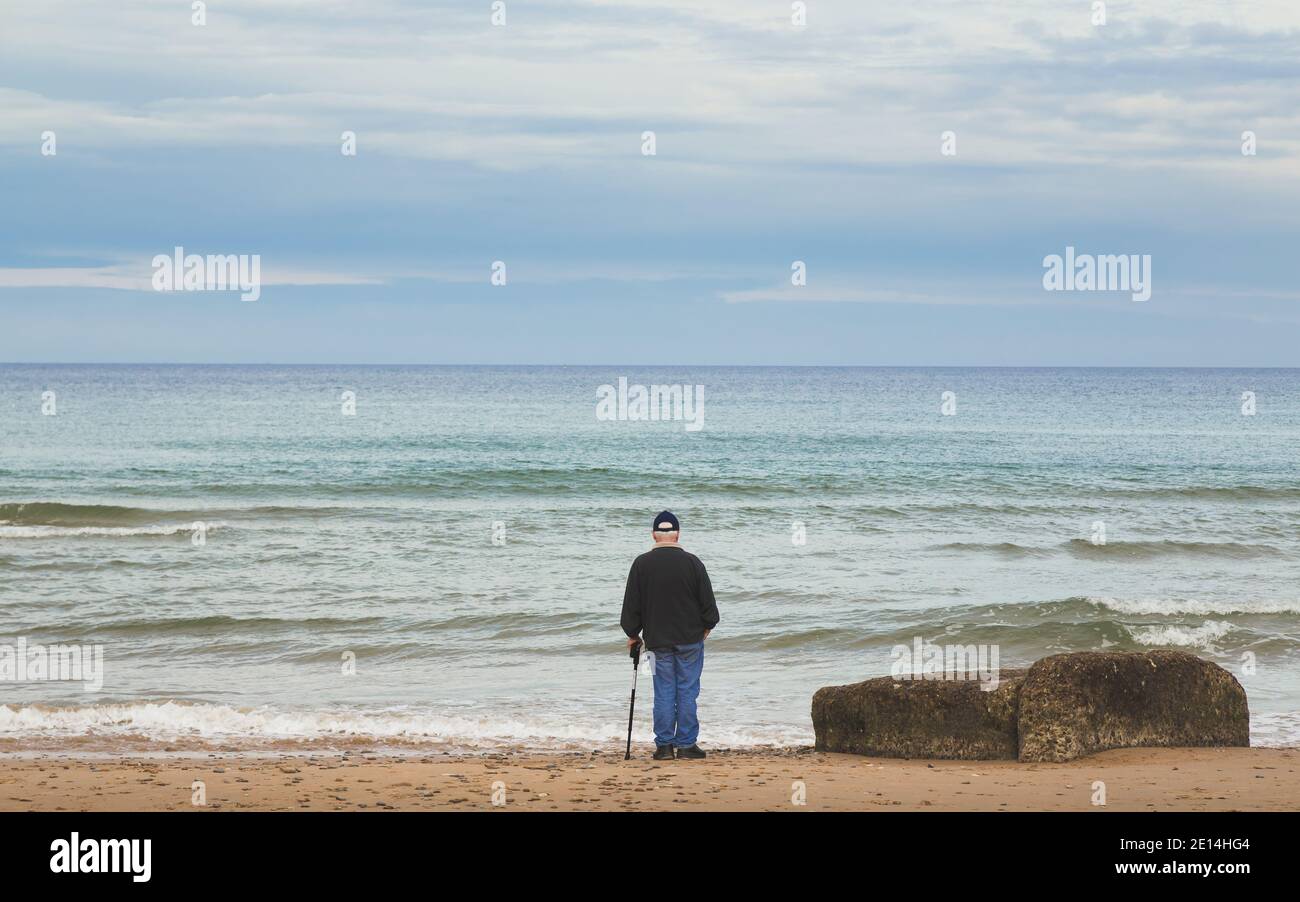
727	83
128	277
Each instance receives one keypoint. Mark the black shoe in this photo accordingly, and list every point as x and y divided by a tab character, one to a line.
692	752
663	753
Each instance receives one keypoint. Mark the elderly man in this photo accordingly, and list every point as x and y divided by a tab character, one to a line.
670	600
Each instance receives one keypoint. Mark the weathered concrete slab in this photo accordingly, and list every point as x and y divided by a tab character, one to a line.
1086	702
886	717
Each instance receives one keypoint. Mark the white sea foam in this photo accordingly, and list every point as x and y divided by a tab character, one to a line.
213	723
1196	607
1273	730
9	531
1204	636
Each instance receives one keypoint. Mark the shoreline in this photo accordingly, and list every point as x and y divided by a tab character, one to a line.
1144	779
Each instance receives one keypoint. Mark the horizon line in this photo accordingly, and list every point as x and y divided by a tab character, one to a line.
822	366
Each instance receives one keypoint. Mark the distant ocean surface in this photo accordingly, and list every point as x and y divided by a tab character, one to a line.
330	536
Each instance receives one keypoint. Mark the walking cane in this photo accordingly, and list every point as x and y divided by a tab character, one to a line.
635	654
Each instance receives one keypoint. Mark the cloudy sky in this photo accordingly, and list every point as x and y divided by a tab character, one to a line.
522	143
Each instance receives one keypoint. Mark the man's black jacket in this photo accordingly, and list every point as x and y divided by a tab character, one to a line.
669	596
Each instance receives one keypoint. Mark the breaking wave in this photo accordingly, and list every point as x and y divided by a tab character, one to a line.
1204	636
1197	607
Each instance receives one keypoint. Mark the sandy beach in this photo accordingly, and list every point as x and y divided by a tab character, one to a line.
1256	779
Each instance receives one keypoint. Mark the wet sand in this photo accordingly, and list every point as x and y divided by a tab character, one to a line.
1135	779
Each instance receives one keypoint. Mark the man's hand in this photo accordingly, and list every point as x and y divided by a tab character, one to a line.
634	640
706	633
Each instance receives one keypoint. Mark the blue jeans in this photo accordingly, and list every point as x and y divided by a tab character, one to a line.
677	685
